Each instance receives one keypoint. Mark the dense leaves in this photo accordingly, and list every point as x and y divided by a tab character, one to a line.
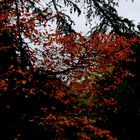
60	84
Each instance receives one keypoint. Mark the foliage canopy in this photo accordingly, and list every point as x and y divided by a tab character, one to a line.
53	82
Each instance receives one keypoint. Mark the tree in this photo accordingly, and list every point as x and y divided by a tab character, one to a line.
51	79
